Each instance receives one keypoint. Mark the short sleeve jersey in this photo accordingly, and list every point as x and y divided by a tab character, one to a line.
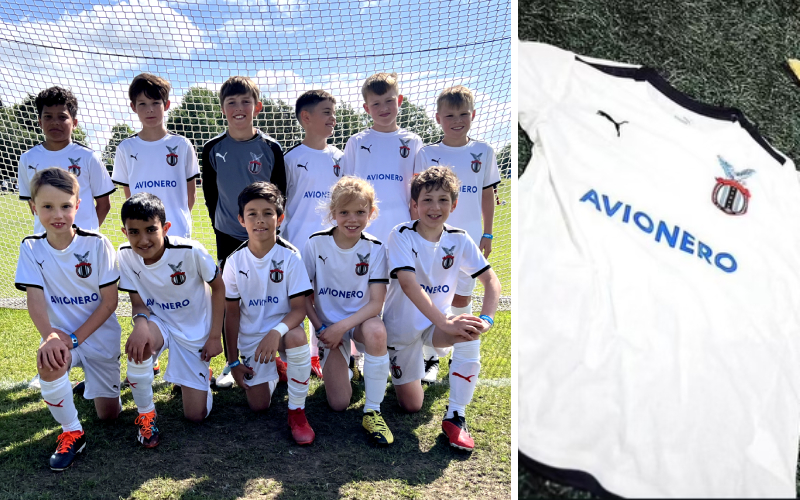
475	166
79	160
229	166
436	266
163	168
71	280
264	288
310	175
386	160
341	277
175	288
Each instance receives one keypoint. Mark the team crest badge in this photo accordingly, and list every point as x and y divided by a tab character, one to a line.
336	167
276	273
255	165
172	156
476	162
363	264
396	371
729	193
83	269
447	260
404	149
178	277
74	168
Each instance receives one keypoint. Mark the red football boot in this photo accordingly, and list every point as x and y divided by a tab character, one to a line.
301	431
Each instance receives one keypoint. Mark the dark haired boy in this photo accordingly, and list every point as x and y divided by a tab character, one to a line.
231	162
312	168
155	160
57	109
265	287
177	302
425	258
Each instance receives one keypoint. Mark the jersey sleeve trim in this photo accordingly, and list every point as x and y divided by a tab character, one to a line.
109	283
327	232
233	299
412	228
304	293
368	238
488	266
24	198
450	229
82	232
492	185
195	176
119	183
105	194
170	245
393	272
383	281
24	286
216	273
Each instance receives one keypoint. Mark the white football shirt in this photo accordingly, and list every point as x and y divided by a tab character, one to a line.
341	277
310	175
386	160
163	168
71	280
436	266
264	287
658	271
475	166
175	288
81	161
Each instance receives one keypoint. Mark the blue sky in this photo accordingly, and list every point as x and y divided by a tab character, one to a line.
287	46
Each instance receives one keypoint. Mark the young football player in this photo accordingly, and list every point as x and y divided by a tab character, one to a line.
231	162
177	303
347	267
265	288
425	259
58	116
155	160
312	167
70	276
475	165
384	153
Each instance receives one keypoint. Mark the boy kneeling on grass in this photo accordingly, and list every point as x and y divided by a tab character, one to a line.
70	276
425	258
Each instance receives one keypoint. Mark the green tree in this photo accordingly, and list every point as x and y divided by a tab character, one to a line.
349	122
198	118
504	161
415	119
277	119
119	133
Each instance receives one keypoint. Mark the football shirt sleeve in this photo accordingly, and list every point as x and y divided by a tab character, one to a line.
120	173
126	281
23	181
420	161
206	265
545	70
192	167
209	181
473	262
107	263
28	271
99	180
378	273
398	252
348	161
298	277
309	259
491	176
278	175
229	277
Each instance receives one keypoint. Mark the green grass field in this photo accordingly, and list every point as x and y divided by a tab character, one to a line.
720	52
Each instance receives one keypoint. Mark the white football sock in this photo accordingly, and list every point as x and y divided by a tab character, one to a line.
58	397
314	342
376	371
463	375
209	402
298	371
140	376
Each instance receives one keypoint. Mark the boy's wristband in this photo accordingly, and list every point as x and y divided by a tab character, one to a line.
282	329
487	319
234	364
488	236
321	329
136	316
74	340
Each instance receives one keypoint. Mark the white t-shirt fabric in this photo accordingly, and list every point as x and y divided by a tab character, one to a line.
475	165
264	288
658	268
77	159
436	266
386	160
175	288
163	168
310	175
341	277
71	280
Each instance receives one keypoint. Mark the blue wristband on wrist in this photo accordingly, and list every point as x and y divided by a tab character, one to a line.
487	319
488	236
321	329
74	340
234	364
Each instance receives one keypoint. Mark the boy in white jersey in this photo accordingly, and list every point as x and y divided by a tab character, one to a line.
425	258
384	153
348	269
177	302
58	110
70	277
312	168
265	288
475	165
155	160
